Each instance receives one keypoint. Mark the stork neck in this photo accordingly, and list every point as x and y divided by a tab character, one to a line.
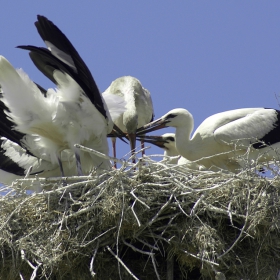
130	100
130	117
183	141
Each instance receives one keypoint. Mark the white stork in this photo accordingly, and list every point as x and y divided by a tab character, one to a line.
167	143
222	138
75	113
139	108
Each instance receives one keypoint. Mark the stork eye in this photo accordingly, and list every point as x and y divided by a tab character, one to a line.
170	138
171	116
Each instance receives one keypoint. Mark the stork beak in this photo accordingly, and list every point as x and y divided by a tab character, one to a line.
152	126
132	140
155	140
116	132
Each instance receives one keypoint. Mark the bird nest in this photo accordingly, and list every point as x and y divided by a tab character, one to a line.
153	221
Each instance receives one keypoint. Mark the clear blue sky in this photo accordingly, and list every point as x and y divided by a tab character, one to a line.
205	56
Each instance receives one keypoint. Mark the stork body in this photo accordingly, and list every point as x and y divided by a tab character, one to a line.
59	119
139	108
75	113
222	140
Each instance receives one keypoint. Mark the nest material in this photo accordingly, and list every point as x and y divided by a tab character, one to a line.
154	222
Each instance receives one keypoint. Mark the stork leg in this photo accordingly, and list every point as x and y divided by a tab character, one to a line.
132	140
114	150
142	147
60	164
78	162
58	156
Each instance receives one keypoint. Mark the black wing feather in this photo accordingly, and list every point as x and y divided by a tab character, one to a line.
51	33
272	136
8	165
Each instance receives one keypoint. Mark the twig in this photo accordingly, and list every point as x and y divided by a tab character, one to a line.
241	231
92	151
132	209
34	273
97	237
180	207
28	172
161	209
147	244
157	185
210	188
229	212
151	255
121	262
119	227
196	205
201	259
35	268
221	211
92	273
132	193
54	179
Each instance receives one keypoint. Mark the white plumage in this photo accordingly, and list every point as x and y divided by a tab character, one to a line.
223	139
22	153
63	118
16	162
139	107
74	113
18	155
171	155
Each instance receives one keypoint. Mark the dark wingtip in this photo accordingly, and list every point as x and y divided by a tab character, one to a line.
41	18
23	47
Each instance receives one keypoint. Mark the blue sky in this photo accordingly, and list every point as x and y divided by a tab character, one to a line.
205	56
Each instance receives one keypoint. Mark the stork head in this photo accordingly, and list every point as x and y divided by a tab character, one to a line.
165	141
175	118
130	122
169	139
